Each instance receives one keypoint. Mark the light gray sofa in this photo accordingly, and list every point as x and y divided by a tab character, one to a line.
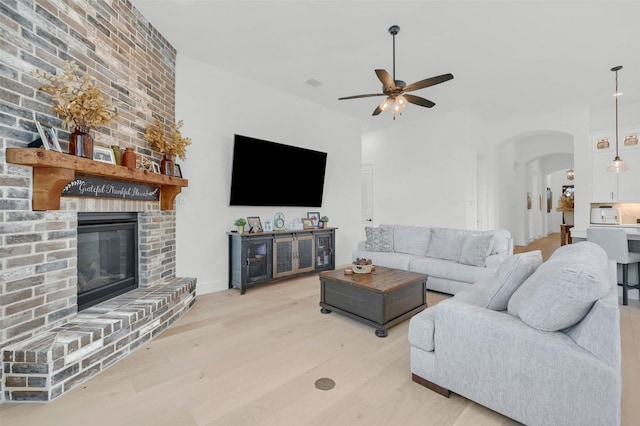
452	258
539	344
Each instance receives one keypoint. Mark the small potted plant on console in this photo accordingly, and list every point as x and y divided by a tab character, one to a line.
240	223
324	221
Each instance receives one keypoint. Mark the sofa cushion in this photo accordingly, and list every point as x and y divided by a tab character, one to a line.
562	290
446	243
494	293
475	249
379	239
410	239
448	269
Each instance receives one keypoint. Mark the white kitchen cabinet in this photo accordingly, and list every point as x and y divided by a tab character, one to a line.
616	187
604	186
629	181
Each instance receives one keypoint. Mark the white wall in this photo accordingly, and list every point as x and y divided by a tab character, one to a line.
425	171
215	105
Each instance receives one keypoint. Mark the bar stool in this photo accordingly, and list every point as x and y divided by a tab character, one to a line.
614	242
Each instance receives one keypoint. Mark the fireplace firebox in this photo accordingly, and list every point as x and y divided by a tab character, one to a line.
107	256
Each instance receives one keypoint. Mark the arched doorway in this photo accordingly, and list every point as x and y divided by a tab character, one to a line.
527	163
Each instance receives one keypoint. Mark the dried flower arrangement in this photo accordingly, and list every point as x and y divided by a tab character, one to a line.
174	144
77	97
565	204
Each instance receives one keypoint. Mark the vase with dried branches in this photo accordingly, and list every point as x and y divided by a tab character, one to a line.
565	205
80	102
170	145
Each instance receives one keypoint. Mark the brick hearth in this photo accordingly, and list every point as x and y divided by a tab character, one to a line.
44	367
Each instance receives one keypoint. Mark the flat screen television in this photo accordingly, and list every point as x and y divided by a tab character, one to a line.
267	173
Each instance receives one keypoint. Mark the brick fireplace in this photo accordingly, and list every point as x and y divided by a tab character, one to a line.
57	348
46	347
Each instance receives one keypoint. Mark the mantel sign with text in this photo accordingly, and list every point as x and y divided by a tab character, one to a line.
89	186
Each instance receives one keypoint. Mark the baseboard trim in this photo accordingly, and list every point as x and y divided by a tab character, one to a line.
430	385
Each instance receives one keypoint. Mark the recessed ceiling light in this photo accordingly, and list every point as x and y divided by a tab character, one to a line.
313	82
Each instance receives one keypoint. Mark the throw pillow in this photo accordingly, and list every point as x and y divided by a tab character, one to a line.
378	239
494	293
561	291
475	249
509	277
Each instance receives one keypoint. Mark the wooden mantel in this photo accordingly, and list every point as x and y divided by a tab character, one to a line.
52	171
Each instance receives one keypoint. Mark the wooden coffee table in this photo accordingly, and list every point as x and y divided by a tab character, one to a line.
381	299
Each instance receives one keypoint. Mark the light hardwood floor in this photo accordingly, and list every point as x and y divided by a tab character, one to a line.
254	359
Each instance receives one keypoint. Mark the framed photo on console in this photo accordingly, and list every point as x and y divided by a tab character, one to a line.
307	223
255	225
315	218
268	225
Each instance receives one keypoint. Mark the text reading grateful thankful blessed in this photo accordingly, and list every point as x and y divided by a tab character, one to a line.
103	188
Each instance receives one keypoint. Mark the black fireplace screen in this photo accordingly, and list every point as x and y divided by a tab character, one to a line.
107	256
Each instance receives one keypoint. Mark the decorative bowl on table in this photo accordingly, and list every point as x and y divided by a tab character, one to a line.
362	269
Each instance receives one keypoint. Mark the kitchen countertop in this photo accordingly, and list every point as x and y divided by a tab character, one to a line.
633	230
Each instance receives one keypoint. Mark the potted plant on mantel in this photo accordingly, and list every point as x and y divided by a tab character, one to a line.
324	222
172	145
240	223
565	205
79	100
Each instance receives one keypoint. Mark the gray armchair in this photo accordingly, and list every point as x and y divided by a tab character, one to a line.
539	343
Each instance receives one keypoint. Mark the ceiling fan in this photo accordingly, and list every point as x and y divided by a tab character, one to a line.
396	90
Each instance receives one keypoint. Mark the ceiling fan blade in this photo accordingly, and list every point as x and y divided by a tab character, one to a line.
417	100
386	80
361	96
428	82
377	111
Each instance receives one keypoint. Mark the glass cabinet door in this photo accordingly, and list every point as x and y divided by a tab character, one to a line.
283	256
257	254
324	250
305	253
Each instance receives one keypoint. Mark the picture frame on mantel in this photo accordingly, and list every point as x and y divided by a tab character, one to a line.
104	155
307	223
255	225
48	137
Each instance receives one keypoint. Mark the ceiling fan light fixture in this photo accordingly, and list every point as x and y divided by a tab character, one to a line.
385	104
394	89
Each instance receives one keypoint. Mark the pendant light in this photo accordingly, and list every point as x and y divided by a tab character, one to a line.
617	165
